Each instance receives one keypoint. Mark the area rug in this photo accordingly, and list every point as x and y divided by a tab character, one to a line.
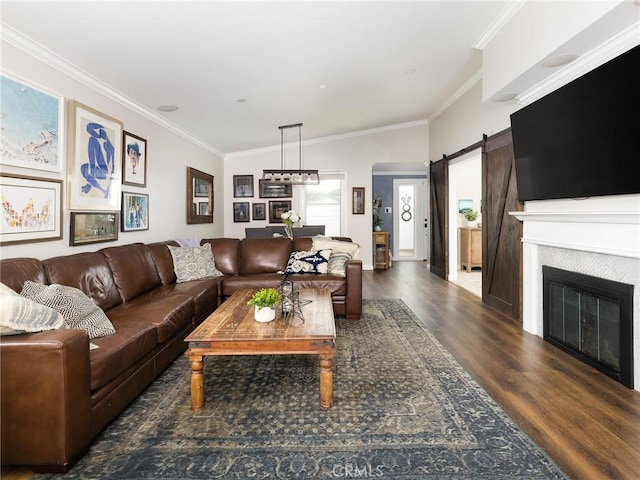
404	408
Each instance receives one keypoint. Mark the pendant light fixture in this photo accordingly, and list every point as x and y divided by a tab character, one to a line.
290	176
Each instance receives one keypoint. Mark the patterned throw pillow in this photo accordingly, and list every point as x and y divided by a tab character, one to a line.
341	252
21	315
76	308
316	261
193	263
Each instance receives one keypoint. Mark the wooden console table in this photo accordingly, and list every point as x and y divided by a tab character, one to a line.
470	248
381	254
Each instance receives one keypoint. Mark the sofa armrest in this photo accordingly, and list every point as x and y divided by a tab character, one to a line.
45	399
353	302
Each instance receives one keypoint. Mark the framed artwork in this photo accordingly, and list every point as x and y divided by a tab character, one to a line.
357	200
135	211
32	126
134	160
95	155
242	186
93	227
465	205
259	211
277	208
199	196
275	190
31	209
240	212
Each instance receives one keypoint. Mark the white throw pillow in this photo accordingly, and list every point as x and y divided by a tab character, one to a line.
341	252
77	309
21	315
193	263
316	261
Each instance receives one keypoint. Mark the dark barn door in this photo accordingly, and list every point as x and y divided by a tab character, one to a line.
438	210
501	248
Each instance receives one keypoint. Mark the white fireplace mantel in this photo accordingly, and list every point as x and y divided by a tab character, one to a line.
588	237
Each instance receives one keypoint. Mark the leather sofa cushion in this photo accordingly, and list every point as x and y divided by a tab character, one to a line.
164	261
264	255
225	254
134	339
256	282
336	284
88	272
15	271
205	293
134	270
169	313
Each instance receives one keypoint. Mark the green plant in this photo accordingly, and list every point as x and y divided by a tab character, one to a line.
470	215
265	297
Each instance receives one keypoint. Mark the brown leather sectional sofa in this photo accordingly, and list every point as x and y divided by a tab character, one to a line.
57	394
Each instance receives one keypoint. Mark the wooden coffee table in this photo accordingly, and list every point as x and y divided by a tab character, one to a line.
232	330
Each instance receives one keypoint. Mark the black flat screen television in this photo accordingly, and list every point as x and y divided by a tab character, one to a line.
583	139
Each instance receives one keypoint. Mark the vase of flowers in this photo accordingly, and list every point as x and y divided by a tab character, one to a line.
289	219
377	221
264	301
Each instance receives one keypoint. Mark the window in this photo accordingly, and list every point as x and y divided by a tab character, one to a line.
323	204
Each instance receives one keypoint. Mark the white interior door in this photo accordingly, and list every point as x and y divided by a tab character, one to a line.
409	219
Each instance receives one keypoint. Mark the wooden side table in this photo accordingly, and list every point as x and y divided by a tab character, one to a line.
470	248
381	254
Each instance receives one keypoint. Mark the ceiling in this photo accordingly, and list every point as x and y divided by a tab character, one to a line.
238	70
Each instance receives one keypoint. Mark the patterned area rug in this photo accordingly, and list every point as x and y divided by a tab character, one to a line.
404	408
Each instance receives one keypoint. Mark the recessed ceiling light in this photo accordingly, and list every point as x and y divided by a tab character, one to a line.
167	108
559	60
241	100
323	86
504	97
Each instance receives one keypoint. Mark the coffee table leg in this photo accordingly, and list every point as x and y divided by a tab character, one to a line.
197	382
326	380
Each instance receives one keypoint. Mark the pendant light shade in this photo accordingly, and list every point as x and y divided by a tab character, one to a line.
290	176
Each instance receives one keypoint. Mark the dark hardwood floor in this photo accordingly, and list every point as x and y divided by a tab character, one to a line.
586	422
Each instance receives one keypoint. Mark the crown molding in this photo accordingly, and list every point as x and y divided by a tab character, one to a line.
475	78
498	23
40	52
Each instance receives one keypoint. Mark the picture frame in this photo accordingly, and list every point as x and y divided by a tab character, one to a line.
199	191
94	170
277	208
259	211
357	199
33	123
135	212
240	212
465	205
275	190
242	186
93	227
32	209
134	160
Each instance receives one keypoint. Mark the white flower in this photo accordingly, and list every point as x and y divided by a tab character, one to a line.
291	216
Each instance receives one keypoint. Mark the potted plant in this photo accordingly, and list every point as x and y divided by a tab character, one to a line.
264	301
471	216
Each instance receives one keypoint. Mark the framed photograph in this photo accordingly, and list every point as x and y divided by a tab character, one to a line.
95	154
93	227
240	212
242	186
32	126
259	211
357	200
31	209
275	190
134	160
135	211
277	208
203	208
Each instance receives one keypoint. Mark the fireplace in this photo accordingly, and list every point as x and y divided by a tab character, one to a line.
590	318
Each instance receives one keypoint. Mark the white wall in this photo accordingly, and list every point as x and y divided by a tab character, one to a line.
168	156
354	153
